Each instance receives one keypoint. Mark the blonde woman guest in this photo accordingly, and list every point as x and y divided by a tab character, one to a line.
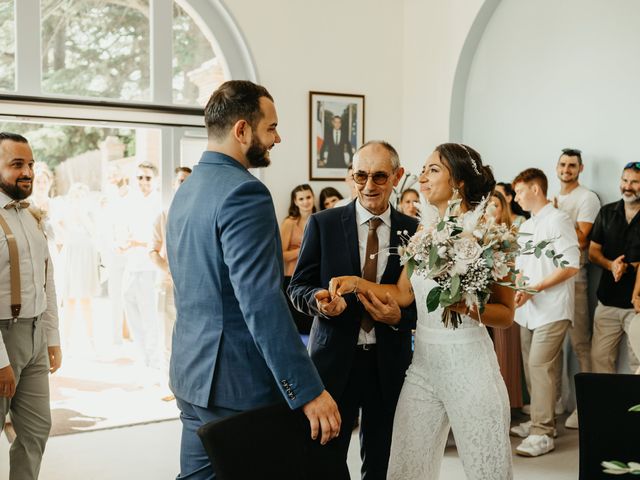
506	341
409	201
300	209
41	202
78	261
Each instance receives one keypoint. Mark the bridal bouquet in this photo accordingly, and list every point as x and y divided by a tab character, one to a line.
465	253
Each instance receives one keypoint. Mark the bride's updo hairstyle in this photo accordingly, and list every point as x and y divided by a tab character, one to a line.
466	168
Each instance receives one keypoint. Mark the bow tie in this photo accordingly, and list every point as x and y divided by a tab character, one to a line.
17	204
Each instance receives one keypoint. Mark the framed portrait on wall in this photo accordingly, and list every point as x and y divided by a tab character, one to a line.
336	130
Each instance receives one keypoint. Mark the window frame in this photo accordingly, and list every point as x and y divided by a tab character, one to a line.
228	44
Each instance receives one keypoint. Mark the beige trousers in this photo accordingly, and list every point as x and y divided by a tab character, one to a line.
30	413
540	350
634	336
580	331
609	325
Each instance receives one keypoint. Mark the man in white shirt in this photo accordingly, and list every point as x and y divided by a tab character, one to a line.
545	316
139	281
29	337
582	205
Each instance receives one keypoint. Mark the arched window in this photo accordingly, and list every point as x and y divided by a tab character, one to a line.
119	51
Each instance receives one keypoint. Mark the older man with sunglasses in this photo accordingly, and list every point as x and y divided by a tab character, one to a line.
615	246
360	346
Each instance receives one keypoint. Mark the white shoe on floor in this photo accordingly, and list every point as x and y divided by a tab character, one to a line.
535	445
572	420
523	430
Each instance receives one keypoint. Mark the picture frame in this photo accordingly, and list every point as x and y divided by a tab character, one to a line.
336	131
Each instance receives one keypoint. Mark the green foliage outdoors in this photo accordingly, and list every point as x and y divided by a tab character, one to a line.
53	144
97	48
7	45
100	48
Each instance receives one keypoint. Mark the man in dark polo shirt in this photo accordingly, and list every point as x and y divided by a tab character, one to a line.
615	246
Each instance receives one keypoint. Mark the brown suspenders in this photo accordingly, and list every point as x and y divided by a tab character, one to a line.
14	267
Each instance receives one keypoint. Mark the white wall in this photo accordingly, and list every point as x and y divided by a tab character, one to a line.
552	74
334	46
435	32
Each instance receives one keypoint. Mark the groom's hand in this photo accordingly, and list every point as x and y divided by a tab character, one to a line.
385	312
328	306
324	417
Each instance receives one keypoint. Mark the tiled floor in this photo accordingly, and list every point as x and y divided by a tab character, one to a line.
150	452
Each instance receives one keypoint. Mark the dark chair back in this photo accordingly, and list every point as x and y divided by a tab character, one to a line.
608	431
272	442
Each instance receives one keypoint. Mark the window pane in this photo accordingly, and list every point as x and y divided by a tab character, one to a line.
96	48
196	69
7	45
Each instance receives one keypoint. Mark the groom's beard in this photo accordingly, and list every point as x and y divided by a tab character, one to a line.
17	191
258	154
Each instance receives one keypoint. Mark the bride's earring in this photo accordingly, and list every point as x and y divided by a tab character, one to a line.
455	193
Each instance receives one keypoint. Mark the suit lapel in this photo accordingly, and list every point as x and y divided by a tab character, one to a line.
350	230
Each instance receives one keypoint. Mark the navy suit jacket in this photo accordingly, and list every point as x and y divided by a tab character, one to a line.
329	249
234	342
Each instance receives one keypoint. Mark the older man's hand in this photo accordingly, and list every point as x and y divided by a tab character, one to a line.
385	312
331	307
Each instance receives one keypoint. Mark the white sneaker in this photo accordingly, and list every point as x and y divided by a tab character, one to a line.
572	420
523	430
535	445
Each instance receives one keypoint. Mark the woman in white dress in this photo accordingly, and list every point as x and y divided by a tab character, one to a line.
454	378
78	262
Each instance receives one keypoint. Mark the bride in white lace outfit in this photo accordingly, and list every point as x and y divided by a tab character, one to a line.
454	379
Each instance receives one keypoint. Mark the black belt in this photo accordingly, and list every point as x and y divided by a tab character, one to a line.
366	347
12	321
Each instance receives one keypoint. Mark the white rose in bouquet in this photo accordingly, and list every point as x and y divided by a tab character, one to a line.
465	252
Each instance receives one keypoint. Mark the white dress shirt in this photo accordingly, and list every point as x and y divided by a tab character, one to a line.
384	236
32	252
555	303
141	214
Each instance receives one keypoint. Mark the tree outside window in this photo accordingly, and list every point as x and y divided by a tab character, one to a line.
7	45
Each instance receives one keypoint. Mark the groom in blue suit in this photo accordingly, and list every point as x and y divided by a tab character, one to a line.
362	349
235	346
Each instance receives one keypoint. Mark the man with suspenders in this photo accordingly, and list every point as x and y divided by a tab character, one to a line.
29	337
